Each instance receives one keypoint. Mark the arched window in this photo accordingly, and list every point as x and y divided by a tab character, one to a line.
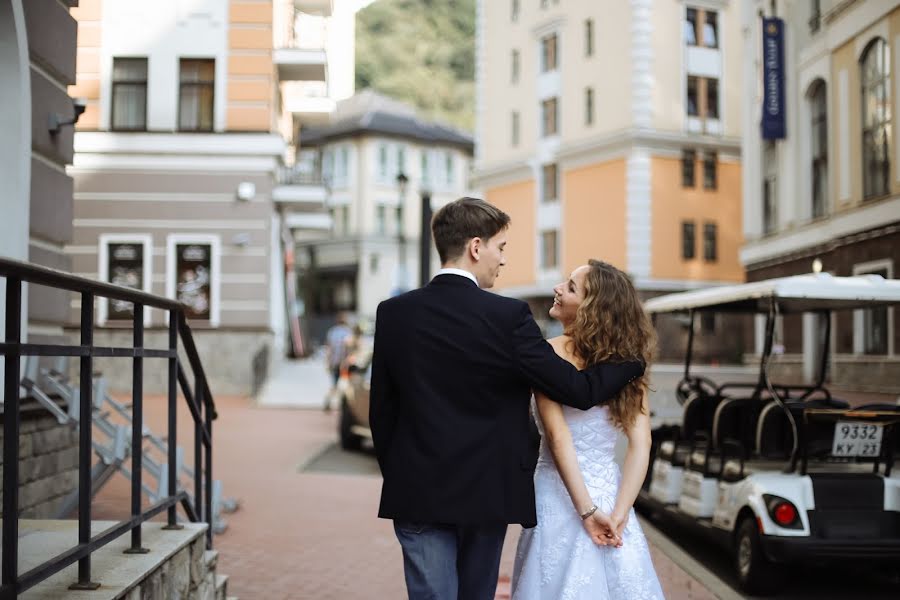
819	147
875	67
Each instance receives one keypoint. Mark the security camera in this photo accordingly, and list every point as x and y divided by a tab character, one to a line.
56	121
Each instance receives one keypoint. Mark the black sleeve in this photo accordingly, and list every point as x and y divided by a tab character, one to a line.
382	410
558	378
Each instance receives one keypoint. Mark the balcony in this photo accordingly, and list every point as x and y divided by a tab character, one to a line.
300	189
308	101
300	41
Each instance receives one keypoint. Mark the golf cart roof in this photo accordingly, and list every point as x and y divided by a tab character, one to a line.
800	293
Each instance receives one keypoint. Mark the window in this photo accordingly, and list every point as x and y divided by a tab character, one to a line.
548	53
126	261
195	97
426	175
712	98
589	106
690	27
448	167
693	98
710	180
382	161
514	67
381	219
709	242
815	16
545	3
688	158
550	183
770	189
401	161
514	11
875	67
819	131
687	240
192	275
549	117
710	29
708	322
549	250
515	129
129	94
589	37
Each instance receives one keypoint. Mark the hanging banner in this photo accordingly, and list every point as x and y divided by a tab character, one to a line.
773	121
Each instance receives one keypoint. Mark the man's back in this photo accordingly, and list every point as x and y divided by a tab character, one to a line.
459	451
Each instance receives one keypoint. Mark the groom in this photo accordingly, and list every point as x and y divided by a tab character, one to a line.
453	369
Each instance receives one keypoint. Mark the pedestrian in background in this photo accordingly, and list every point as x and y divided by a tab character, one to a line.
336	351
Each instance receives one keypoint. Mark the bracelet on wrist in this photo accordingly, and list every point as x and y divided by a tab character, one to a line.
589	512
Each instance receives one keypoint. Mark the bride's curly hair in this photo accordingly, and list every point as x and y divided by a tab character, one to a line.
611	325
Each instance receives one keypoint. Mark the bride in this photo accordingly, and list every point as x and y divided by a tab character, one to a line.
579	490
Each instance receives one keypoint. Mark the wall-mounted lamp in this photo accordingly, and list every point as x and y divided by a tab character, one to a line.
817	266
56	121
246	191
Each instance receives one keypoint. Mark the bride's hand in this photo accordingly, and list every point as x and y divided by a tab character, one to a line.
602	529
619	521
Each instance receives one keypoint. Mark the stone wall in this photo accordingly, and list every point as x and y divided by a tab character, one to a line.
48	462
190	574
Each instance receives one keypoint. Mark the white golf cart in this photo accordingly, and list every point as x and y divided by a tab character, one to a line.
779	473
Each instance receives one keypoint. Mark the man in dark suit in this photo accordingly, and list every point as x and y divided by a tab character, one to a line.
453	370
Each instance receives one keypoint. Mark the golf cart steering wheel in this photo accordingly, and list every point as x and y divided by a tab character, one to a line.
694	383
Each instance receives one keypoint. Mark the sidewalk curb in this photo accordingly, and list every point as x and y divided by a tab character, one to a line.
315	455
692	567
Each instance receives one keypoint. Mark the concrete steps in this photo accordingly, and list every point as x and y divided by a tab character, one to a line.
177	566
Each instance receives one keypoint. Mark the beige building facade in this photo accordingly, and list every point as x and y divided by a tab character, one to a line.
611	130
827	196
179	162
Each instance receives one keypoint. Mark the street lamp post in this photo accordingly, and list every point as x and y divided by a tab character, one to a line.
402	181
425	239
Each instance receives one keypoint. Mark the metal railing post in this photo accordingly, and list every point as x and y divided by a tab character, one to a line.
198	451
137	430
173	418
85	450
10	542
208	513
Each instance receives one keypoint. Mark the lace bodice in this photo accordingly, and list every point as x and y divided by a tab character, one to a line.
594	437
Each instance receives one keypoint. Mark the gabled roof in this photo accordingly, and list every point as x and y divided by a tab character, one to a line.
371	113
799	293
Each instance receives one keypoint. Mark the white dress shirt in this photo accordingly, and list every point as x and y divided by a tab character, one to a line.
460	272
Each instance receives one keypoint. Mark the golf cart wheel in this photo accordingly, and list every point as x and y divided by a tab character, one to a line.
757	575
349	440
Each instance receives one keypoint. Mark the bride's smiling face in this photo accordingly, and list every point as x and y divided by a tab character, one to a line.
568	296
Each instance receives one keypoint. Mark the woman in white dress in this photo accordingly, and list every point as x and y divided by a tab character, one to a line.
580	492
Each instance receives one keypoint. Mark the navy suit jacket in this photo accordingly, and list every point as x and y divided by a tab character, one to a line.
452	374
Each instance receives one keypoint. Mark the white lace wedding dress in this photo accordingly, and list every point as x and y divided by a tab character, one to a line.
557	559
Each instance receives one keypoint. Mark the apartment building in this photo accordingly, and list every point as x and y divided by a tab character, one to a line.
382	163
611	130
825	195
191	111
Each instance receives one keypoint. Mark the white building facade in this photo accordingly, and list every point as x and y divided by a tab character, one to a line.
826	196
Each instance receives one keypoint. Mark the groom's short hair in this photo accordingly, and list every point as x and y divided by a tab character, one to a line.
461	220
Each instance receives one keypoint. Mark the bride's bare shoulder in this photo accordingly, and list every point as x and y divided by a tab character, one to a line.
561	344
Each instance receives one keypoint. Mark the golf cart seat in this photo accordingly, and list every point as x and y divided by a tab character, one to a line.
697	422
774	433
734	426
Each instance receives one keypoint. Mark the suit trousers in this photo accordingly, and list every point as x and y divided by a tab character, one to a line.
450	562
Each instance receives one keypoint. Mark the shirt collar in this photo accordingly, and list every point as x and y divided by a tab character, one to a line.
460	272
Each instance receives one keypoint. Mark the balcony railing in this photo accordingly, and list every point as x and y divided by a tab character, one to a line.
294	176
198	398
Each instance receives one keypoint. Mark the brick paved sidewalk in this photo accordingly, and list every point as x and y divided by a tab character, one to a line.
302	536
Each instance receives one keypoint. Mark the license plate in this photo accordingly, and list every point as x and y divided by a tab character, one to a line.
857	439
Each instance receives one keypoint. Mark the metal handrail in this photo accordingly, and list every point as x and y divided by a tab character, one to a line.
199	401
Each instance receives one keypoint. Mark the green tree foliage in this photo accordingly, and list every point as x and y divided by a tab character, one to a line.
421	52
